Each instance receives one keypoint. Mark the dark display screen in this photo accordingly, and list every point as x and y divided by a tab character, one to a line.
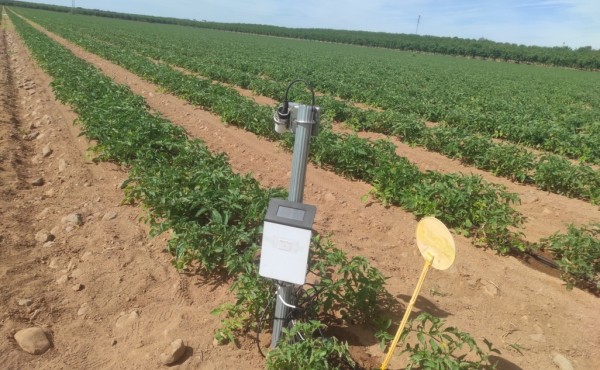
291	213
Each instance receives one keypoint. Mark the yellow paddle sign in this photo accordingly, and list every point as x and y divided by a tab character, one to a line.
437	248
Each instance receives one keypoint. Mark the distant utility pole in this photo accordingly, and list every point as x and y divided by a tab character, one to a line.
418	21
72	6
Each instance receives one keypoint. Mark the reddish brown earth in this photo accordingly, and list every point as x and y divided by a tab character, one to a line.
121	271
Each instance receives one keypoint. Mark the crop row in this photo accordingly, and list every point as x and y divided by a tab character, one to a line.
177	179
578	255
466	203
584	57
457	199
546	108
215	215
549	172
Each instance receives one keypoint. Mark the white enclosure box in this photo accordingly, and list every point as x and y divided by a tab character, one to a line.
284	253
286	241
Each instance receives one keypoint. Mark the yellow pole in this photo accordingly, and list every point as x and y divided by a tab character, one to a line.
428	262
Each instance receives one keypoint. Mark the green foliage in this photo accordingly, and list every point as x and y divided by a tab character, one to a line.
460	140
350	155
465	203
253	297
302	348
566	127
346	285
583	57
383	334
483	209
439	347
560	176
214	214
578	254
544	108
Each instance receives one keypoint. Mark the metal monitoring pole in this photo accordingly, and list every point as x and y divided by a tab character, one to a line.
302	120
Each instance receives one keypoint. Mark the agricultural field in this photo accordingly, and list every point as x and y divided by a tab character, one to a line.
502	114
531	131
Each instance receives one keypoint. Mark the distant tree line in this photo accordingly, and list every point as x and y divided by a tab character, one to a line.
582	58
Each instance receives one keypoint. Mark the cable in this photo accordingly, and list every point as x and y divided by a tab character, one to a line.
285	303
292	83
296	312
259	325
298	334
543	260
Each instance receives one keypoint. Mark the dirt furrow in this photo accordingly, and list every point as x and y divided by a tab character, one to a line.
105	295
489	296
11	144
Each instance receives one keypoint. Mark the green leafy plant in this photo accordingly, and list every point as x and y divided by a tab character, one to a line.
349	286
578	255
437	347
560	176
383	334
343	287
302	347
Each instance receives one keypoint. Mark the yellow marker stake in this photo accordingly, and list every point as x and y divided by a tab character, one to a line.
407	314
437	247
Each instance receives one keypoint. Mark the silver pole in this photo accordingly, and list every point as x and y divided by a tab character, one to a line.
305	121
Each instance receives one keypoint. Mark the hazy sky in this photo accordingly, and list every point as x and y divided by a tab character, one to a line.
574	23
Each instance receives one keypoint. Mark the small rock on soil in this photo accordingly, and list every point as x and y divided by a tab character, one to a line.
32	340
173	352
44	236
562	362
73	218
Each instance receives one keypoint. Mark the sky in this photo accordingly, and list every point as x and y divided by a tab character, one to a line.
573	23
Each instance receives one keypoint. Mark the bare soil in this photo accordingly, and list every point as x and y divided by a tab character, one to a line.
117	270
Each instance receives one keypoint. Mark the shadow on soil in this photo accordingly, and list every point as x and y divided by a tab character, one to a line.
361	337
423	304
502	364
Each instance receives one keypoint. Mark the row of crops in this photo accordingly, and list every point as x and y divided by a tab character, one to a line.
466	203
215	217
214	214
547	108
583	57
467	142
